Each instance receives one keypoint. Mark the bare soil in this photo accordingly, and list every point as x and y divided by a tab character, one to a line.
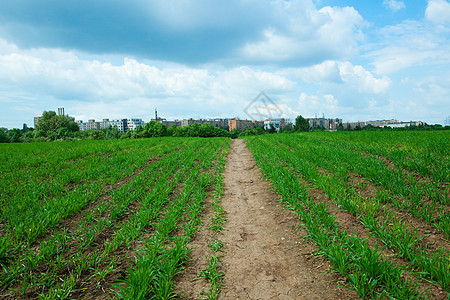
266	256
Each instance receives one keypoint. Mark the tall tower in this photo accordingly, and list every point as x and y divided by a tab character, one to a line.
60	111
156	114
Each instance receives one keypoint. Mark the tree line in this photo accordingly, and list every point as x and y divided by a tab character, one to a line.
53	127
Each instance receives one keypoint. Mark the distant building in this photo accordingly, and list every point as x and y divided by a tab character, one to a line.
90	124
394	123
353	125
222	123
36	121
276	123
382	123
327	124
122	124
243	124
104	124
60	111
187	122
132	124
175	123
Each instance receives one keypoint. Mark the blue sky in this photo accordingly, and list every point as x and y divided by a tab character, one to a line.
356	60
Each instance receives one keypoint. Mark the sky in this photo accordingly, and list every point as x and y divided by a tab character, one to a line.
348	59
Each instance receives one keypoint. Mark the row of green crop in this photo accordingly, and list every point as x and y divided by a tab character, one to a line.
285	165
422	199
152	189
89	229
26	216
213	273
376	217
164	255
426	153
28	185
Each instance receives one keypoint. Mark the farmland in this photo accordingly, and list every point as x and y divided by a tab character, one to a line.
149	218
375	204
98	218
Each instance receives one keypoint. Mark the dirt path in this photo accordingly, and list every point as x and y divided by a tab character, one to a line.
265	257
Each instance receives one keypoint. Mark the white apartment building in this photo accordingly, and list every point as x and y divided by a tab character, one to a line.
133	123
121	124
276	123
90	124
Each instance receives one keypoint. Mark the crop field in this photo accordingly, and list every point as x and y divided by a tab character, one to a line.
376	204
102	218
143	218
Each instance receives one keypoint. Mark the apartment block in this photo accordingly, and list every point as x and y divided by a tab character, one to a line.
394	123
132	124
121	124
164	121
222	123
328	124
175	123
243	124
104	124
277	123
353	125
90	124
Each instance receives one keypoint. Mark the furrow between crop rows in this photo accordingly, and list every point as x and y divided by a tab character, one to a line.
93	249
368	213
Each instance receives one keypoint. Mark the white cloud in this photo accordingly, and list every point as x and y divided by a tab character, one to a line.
245	78
395	58
106	90
345	74
438	11
362	80
311	105
394	5
328	71
311	36
410	43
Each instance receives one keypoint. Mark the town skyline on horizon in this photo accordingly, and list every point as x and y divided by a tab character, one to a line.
159	117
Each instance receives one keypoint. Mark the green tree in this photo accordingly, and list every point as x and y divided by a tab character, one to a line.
234	134
172	130
95	134
111	133
154	129
14	135
193	130
208	130
287	128
27	136
39	134
62	126
4	135
301	124
253	131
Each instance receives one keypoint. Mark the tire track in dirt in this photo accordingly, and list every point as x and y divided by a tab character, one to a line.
265	256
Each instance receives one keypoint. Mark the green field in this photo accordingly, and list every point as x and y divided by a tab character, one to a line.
109	216
393	189
115	217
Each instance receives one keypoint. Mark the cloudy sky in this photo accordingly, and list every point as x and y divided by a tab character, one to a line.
356	60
